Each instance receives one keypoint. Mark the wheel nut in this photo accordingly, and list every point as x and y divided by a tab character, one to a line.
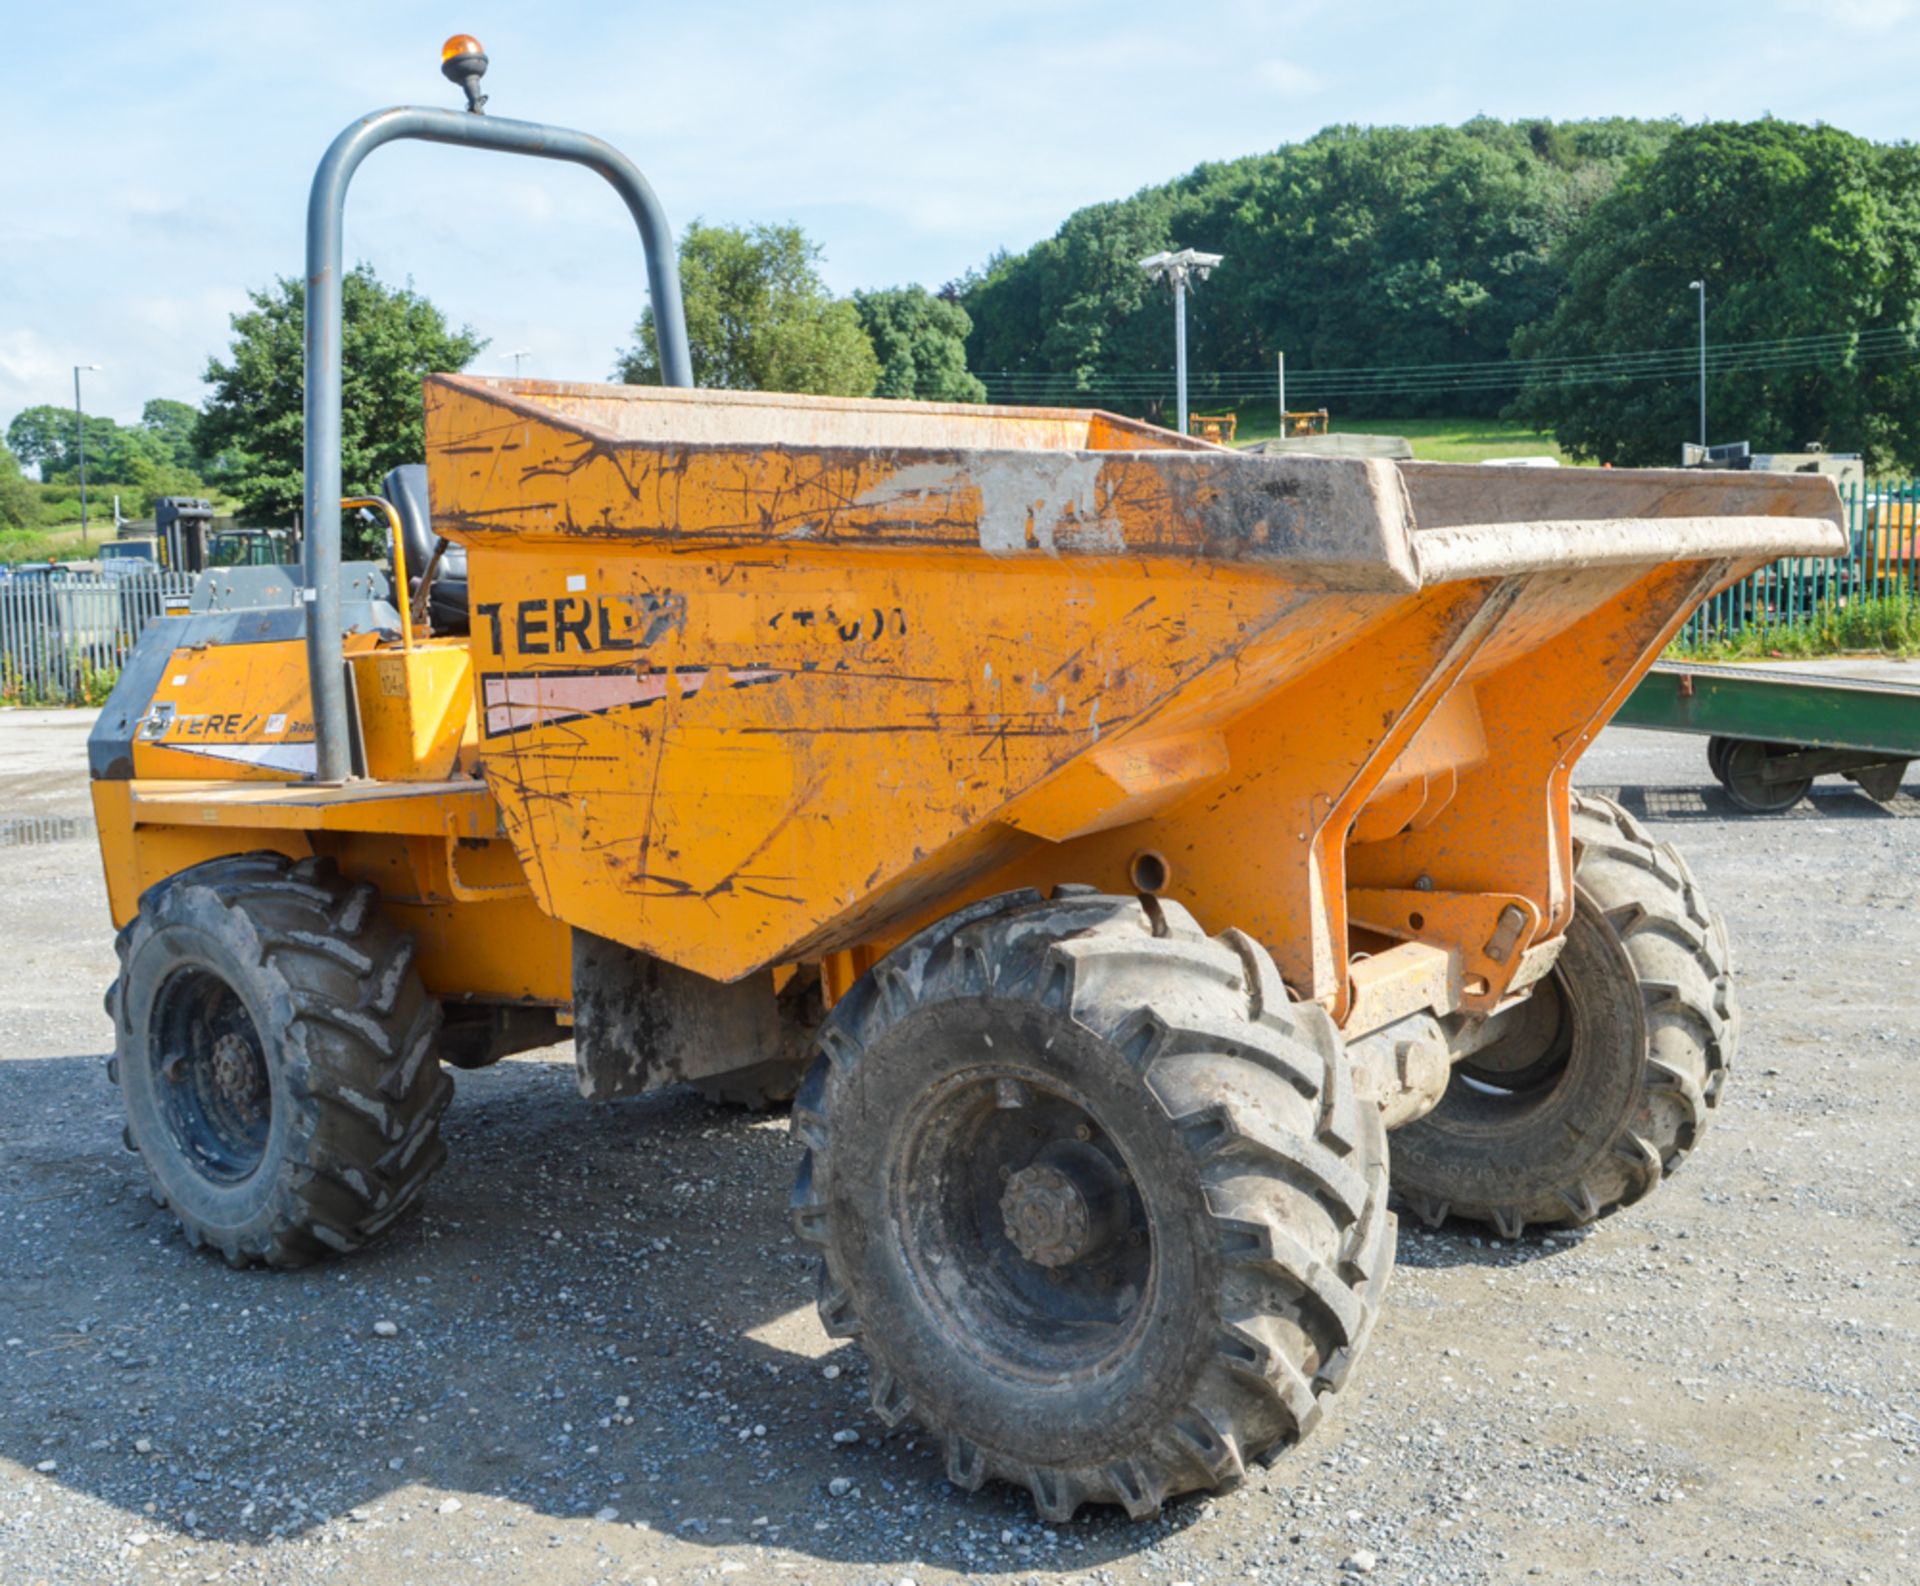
1045	1216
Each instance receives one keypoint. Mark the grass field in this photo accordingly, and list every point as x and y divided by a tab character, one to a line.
1442	440
60	543
1885	625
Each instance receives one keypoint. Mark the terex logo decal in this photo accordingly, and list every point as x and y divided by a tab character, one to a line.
575	625
516	701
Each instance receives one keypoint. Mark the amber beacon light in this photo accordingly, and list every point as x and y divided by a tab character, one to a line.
464	61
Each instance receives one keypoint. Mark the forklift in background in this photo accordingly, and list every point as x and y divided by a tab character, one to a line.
184	540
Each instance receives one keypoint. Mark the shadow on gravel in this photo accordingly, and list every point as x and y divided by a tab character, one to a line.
1830	800
599	1308
1458	1244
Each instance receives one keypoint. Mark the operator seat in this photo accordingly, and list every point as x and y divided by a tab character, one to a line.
406	488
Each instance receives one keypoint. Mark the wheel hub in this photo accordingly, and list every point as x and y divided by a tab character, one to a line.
1067	1205
238	1079
217	1096
1046	1216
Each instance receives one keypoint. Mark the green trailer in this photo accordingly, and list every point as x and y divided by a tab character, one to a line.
1770	732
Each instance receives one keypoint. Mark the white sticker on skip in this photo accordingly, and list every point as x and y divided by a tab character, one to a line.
576	582
179	679
276	724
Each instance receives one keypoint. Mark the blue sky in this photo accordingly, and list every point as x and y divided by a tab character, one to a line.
154	160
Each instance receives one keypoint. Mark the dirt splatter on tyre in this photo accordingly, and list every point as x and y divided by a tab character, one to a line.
1098	1202
274	1050
1608	1086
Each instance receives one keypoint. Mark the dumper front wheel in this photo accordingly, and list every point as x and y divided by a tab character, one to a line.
274	1048
1098	1202
1602	1082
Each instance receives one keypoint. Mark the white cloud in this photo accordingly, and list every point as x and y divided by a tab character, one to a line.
32	370
1863	16
1290	77
910	140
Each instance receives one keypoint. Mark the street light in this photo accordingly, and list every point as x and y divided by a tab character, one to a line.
80	435
517	355
1176	269
1701	288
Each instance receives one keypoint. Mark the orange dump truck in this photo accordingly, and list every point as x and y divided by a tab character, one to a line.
1104	838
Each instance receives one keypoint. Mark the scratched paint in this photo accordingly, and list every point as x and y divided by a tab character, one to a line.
1046	501
967	633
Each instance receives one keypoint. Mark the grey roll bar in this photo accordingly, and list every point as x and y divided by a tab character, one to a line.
326	206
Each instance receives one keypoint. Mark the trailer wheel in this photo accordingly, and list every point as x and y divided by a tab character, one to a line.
274	1050
1718	748
1100	1205
1608	1074
1744	777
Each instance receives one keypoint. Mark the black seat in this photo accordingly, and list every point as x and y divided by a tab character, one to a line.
406	488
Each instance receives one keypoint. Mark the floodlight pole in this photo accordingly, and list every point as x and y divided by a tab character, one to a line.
80	443
1180	349
1176	269
1701	288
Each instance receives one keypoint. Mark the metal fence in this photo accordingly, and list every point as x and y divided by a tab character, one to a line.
64	636
1882	561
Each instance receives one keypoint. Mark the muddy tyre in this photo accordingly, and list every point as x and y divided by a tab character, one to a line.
274	1050
1099	1204
1612	1069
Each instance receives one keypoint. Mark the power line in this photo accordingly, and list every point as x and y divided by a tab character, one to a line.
1413	380
1679	356
1775	355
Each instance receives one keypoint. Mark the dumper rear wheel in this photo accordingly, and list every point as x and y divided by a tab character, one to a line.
772	1082
1099	1203
1606	1077
760	1087
274	1049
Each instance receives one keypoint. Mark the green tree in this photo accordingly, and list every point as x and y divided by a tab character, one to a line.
171	427
759	318
43	437
251	428
921	342
1362	247
1798	232
48	438
19	501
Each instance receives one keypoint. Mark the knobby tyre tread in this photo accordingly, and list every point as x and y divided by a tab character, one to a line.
1255	1094
349	1034
1681	964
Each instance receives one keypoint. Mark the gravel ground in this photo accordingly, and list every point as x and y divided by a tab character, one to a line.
594	1357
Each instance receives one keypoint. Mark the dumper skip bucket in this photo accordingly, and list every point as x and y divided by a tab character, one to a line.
767	678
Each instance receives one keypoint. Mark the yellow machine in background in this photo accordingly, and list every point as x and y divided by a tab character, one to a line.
1216	427
1157	825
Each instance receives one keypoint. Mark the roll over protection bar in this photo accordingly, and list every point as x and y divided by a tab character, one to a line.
326	205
